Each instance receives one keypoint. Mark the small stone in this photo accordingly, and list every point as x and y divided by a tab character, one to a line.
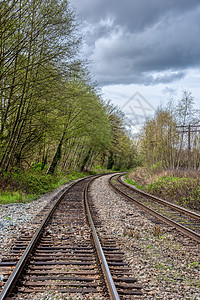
1	277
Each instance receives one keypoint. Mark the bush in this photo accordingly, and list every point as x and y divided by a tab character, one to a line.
179	187
182	191
20	186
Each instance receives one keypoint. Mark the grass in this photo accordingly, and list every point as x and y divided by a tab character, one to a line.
183	191
195	264
130	181
15	197
22	187
182	188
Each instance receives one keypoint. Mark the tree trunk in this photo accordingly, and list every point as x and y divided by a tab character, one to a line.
56	157
86	159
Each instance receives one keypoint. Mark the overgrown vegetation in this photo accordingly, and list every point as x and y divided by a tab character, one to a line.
21	186
130	181
179	187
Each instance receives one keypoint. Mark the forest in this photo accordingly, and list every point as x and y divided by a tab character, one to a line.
52	116
53	119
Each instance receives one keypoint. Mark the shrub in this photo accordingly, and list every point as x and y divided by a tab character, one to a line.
176	186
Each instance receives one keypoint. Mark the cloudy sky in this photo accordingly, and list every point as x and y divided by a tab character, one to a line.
146	46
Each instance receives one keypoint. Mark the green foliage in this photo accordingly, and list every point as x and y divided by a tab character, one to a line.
75	175
15	197
123	151
98	169
29	182
20	186
130	181
160	266
37	166
182	188
40	41
195	264
157	166
110	162
52	117
182	191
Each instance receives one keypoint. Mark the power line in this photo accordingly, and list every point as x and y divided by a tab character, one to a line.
187	129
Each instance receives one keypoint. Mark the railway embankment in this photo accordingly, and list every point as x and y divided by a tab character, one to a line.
176	186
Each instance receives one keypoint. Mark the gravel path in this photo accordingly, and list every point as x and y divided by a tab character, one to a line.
168	266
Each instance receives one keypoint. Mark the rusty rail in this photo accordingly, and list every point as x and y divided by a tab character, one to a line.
161	201
192	234
109	281
19	268
10	284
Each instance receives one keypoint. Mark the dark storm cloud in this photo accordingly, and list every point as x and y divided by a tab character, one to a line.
145	42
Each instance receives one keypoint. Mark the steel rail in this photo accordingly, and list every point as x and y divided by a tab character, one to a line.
109	280
192	234
10	284
161	201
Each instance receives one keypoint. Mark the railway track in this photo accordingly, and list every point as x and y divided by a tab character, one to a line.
187	222
65	255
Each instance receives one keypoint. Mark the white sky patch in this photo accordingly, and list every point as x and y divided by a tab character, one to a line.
107	22
155	96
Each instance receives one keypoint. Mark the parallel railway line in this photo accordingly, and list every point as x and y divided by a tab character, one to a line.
66	255
186	221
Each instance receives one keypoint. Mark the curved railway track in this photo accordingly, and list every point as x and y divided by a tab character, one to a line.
185	221
65	255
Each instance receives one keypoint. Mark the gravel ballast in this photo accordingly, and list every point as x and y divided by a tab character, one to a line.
18	217
167	266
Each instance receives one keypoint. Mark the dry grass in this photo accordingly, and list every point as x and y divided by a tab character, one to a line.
181	187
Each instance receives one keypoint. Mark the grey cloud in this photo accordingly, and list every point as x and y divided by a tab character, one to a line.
167	78
141	78
146	42
170	91
135	14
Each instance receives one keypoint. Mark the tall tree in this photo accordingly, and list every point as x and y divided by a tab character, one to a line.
164	138
80	114
38	40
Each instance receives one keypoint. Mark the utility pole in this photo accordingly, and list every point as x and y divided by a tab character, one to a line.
187	129
189	147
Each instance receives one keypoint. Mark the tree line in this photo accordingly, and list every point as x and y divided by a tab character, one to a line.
171	138
51	114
